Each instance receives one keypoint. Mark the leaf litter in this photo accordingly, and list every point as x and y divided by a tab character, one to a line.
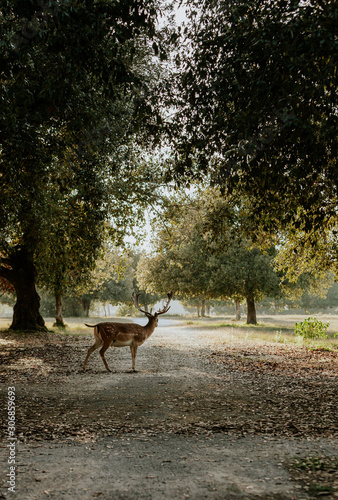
184	387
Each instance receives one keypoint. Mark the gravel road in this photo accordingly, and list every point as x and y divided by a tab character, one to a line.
182	427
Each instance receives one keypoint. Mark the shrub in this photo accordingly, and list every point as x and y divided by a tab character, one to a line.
279	336
123	310
312	328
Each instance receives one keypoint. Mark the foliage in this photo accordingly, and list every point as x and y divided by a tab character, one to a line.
309	291
221	307
202	305
6	288
312	328
256	105
71	306
189	259
76	86
113	280
123	310
7	298
179	261
309	251
243	271
331	299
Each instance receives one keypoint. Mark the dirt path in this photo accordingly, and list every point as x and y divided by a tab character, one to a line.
202	419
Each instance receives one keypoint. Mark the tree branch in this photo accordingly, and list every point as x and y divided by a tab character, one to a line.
7	274
6	261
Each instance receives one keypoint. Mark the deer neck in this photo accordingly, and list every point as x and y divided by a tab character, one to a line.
150	327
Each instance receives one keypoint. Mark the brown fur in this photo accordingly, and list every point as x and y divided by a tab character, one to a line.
109	334
124	334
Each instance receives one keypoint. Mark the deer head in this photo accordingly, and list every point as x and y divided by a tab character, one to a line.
149	315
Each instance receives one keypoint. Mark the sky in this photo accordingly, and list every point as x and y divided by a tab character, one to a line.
180	15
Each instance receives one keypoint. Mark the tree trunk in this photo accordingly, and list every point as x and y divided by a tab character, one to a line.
208	310
238	310
58	311
198	310
26	313
86	306
203	308
251	318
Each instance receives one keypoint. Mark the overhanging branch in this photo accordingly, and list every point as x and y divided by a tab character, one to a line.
7	274
5	261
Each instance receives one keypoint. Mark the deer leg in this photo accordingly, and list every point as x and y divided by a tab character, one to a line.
97	344
102	351
133	350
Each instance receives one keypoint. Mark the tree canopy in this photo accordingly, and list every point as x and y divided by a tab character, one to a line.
76	85
256	105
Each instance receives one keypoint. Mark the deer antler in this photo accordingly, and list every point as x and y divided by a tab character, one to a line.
135	299
166	307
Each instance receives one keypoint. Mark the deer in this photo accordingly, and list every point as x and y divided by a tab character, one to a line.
111	334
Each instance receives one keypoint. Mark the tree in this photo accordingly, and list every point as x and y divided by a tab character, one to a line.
243	272
113	280
202	305
191	260
307	290
148	298
74	242
72	99
256	105
180	261
304	251
331	299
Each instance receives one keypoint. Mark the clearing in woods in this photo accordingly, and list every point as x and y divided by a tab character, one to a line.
215	412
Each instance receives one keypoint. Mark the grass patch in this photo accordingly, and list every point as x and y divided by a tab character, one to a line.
266	332
318	475
316	464
265	327
26	333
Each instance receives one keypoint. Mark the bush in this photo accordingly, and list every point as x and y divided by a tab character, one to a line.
312	328
123	310
126	310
